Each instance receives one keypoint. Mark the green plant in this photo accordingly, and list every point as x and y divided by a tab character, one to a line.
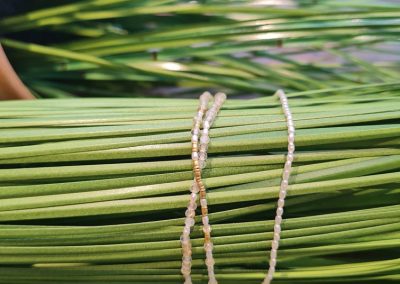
135	48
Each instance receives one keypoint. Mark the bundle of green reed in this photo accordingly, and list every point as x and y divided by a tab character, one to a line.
95	190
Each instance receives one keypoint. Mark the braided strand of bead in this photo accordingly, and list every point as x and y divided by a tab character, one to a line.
283	187
191	210
210	117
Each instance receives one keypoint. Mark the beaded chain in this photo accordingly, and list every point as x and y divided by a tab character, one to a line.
199	157
191	210
219	99
283	188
